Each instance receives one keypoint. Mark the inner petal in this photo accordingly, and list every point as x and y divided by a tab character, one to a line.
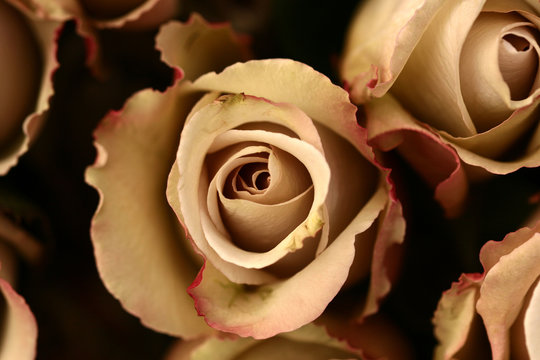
518	61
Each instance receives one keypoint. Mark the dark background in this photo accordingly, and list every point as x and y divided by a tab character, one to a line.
79	319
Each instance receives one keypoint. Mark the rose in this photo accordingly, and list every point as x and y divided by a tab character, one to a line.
373	339
26	68
270	149
459	79
505	298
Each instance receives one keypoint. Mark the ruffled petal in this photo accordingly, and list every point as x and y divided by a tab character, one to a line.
139	247
198	47
390	126
380	40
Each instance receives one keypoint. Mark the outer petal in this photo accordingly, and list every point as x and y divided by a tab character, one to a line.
454	316
197	47
138	244
509	279
532	324
380	40
390	126
283	306
19	331
46	33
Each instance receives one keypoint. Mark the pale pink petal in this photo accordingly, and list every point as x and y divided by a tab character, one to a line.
454	316
198	47
380	40
503	290
139	247
44	33
19	331
390	126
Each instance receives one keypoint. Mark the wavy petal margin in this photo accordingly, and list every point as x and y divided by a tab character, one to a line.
137	241
46	33
197	47
19	331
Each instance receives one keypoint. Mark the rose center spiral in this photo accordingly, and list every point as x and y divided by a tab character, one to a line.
518	61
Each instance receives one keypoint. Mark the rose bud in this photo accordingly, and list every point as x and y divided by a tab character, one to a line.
446	83
496	312
265	169
375	339
26	68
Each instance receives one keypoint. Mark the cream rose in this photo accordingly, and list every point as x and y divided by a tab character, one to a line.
271	179
502	304
26	68
460	76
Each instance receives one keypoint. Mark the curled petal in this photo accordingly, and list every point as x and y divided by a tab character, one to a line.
381	39
44	33
266	310
390	126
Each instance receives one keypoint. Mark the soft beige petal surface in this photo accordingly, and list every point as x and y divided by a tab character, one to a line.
45	34
380	40
19	331
434	70
507	282
264	311
198	47
138	244
454	316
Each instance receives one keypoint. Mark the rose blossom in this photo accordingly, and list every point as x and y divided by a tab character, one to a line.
271	179
374	339
444	81
502	304
26	67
